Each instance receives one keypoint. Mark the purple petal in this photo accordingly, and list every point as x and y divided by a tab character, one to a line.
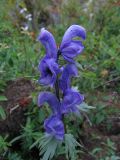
69	71
70	101
72	32
70	47
48	41
49	70
51	99
54	126
72	50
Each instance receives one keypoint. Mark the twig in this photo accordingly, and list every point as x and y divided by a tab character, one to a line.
14	108
113	80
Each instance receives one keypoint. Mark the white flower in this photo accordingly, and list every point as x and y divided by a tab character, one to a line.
28	16
25	28
29	19
23	10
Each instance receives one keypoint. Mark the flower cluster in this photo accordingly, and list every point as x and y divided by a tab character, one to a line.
65	99
27	19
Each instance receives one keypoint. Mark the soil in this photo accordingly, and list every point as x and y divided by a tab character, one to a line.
94	137
18	97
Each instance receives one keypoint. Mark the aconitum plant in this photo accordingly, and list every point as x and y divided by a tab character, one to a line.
65	99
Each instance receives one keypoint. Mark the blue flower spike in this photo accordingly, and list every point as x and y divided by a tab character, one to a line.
65	99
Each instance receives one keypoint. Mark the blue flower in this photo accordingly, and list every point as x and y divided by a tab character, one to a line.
54	126
48	41
70	47
52	100
49	70
70	70
70	101
50	75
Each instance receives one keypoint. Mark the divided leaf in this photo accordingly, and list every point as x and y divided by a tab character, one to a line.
70	146
85	107
48	146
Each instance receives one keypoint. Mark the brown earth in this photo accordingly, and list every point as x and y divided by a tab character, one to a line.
18	95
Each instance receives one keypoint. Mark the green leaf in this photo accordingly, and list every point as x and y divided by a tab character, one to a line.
100	118
35	143
79	65
14	156
96	150
85	107
2	113
48	146
16	139
70	146
4	144
115	157
3	98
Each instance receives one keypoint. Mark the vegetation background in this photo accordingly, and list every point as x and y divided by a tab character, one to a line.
21	122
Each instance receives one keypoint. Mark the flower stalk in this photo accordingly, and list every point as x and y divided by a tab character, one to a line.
60	78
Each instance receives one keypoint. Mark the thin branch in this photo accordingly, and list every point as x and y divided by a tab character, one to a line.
107	82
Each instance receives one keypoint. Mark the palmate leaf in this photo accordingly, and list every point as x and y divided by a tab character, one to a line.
70	146
48	146
4	144
85	107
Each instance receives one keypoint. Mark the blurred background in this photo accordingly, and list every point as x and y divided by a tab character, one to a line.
21	21
99	64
